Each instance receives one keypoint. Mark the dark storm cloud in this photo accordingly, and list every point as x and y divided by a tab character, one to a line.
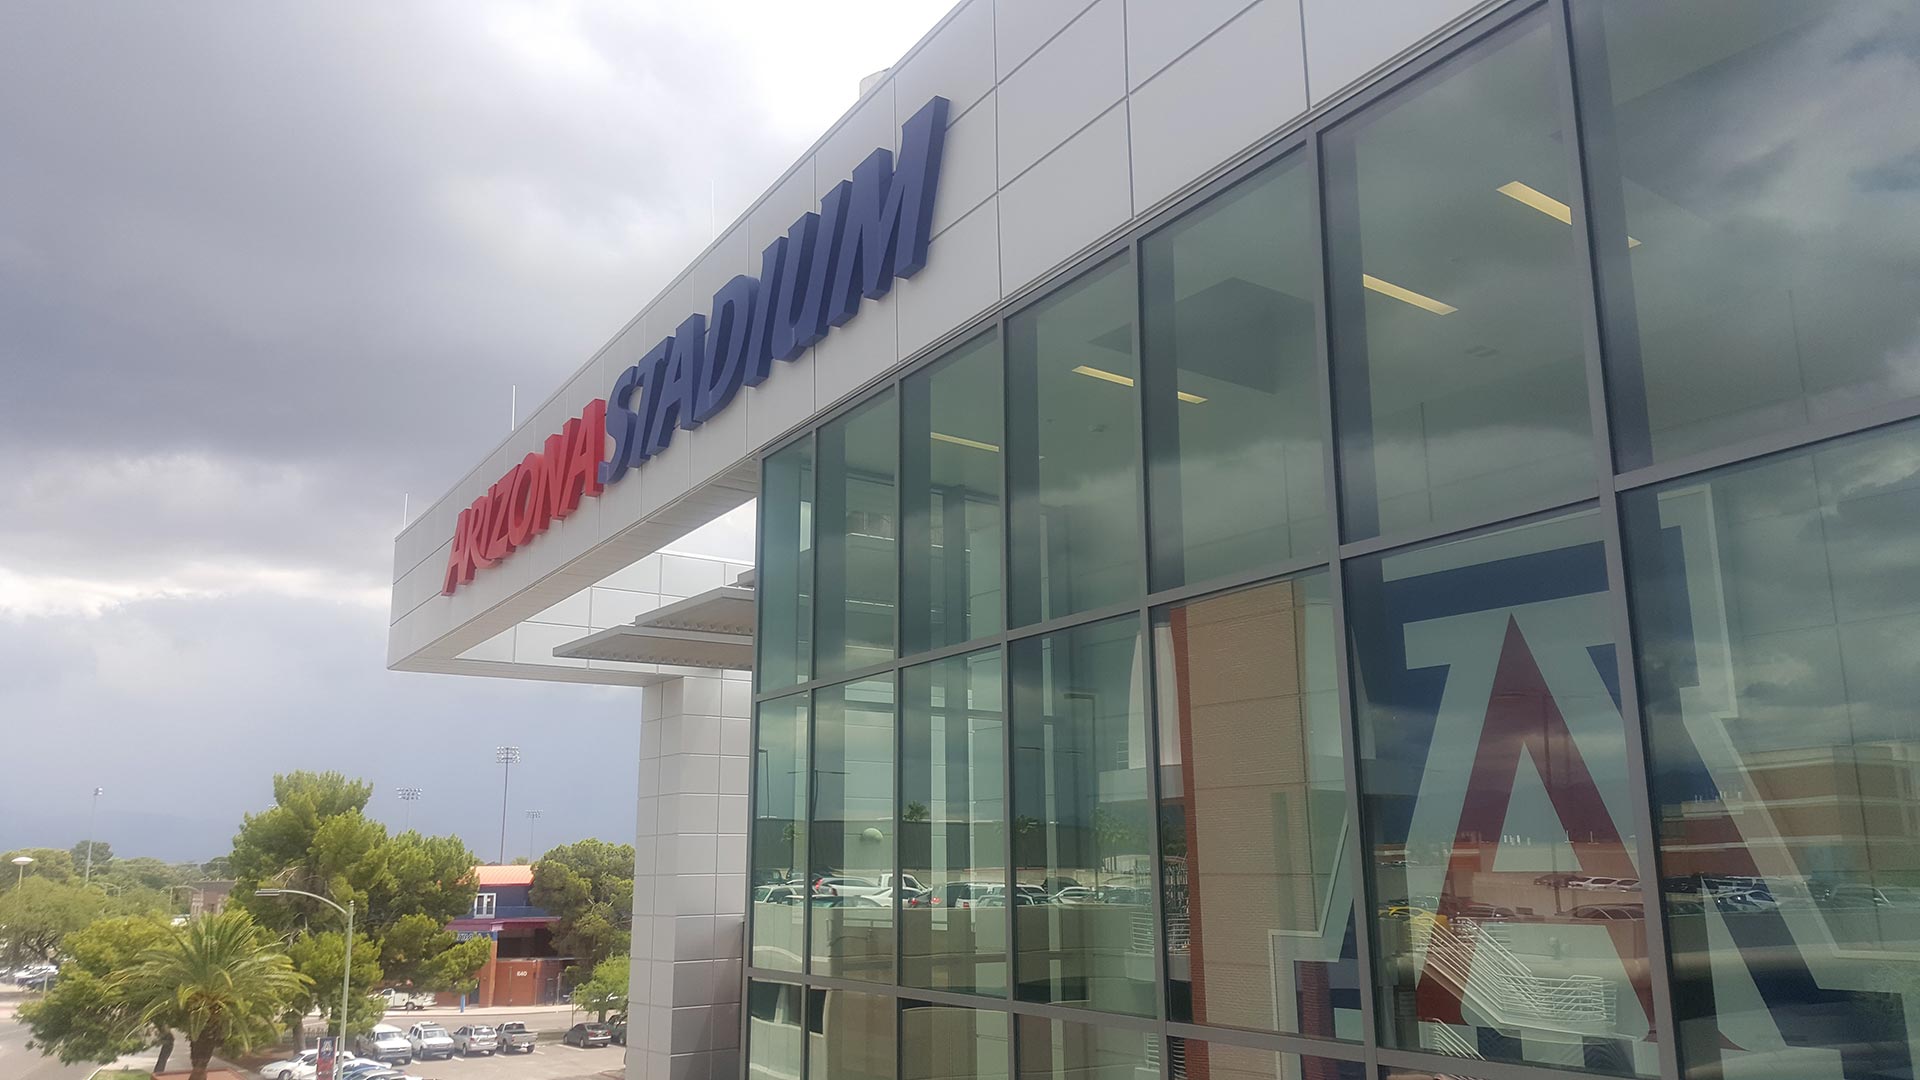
263	269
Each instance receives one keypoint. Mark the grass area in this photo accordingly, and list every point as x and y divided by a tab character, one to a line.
123	1074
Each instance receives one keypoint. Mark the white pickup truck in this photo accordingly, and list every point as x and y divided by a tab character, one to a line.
397	998
864	886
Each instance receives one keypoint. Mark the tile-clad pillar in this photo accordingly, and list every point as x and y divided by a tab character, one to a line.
689	883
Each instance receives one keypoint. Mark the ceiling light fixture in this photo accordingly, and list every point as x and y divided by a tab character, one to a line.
1539	200
1126	380
1406	296
941	436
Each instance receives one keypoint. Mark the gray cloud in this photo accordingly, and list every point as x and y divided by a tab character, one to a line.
265	269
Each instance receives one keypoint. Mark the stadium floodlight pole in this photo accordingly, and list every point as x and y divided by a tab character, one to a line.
409	795
532	816
506	756
91	810
21	861
346	965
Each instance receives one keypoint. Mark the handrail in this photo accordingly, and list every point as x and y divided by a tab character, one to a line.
1501	984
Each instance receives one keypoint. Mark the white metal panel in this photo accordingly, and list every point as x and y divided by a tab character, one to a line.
533	643
969	173
720	442
1347	39
1236	88
783	205
1073	79
575	610
856	352
957	64
1159	31
962	279
1078	194
780	403
1020	27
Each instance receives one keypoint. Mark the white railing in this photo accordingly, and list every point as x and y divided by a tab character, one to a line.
1489	975
1443	1038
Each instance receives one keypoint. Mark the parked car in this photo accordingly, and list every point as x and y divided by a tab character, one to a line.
397	998
1076	894
298	1067
384	1042
618	1022
430	1041
588	1034
861	886
515	1038
476	1039
778	894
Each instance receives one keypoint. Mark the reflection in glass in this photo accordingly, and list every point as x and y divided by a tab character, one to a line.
779	832
1073	422
1064	1050
1757	216
1234	448
774	1046
1083	909
950	462
1509	921
1777	608
1459	377
1195	1059
953	826
849	1036
853	570
785	572
941	1042
1253	813
851	847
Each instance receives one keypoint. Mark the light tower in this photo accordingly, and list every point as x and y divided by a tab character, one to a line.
532	816
506	756
408	795
92	808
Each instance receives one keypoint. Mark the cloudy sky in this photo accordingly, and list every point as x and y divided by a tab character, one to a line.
266	269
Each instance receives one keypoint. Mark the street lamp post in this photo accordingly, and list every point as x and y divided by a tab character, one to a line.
409	795
506	756
346	964
91	810
532	816
21	861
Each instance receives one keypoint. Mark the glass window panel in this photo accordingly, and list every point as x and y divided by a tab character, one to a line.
1083	913
943	1042
785	574
953	825
1197	1059
779	833
1456	290
851	848
1234	446
950	499
1073	448
774	1042
1064	1050
1253	813
1395	1072
849	1035
1493	762
854	570
1754	168
1777	607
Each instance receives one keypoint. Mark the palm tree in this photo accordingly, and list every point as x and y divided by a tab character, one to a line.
220	981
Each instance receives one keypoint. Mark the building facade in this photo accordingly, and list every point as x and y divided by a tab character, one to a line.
525	968
1371	539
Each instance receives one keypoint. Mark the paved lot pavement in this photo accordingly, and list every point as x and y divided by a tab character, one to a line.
550	1061
19	1063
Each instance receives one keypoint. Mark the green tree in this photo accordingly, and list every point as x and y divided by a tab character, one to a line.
220	981
141	871
606	990
588	885
87	1015
49	864
40	913
102	855
421	953
318	958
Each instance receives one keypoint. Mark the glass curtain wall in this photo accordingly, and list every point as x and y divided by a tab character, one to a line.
1556	747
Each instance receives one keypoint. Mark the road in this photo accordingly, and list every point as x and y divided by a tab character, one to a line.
19	1063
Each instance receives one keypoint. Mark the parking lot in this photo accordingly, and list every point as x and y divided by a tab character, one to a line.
549	1061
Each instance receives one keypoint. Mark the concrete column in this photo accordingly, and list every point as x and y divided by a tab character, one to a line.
689	884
